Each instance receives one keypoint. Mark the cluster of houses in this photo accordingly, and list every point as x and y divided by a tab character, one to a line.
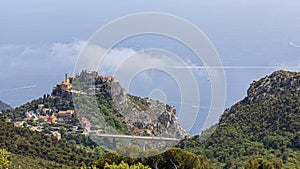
35	119
44	115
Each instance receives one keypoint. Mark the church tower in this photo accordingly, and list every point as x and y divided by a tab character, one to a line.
67	80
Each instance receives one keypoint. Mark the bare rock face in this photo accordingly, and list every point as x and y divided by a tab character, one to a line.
269	88
145	116
273	85
4	106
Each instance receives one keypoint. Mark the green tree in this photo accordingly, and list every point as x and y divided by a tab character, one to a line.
124	165
178	158
260	163
4	158
62	130
25	124
172	158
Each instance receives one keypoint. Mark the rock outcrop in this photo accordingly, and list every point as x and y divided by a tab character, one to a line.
139	116
4	106
273	85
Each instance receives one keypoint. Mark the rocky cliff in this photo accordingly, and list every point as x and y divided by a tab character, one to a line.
4	106
274	85
122	113
271	87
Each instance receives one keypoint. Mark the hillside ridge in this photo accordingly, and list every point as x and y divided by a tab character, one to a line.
266	123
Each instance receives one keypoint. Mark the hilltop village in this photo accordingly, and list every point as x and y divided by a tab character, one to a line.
123	113
52	120
55	114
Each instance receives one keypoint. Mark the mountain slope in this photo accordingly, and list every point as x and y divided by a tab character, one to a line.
22	141
34	162
118	112
264	124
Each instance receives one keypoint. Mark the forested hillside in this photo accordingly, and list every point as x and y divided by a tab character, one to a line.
22	141
264	124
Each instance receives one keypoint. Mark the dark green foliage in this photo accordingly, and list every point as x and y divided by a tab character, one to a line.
260	163
34	162
124	165
56	91
85	142
111	115
25	142
170	159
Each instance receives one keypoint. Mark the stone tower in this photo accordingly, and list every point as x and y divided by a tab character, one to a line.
67	80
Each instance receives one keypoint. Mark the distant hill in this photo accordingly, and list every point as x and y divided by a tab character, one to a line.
103	106
119	112
264	124
4	106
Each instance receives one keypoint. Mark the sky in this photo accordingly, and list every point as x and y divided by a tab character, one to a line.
41	40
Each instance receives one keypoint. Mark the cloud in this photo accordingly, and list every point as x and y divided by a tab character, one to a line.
40	66
14	57
294	45
66	51
19	88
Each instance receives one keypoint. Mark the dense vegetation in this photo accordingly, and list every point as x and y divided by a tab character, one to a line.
22	141
265	124
34	162
124	165
172	158
4	158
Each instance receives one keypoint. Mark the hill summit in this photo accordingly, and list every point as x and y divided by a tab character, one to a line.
266	123
104	104
104	107
274	85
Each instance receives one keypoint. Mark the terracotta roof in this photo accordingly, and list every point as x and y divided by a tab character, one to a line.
43	117
62	112
18	123
65	112
34	128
